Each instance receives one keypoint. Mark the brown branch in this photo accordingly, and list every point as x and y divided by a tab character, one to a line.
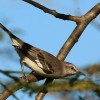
5	87
61	86
82	85
82	22
7	73
10	72
52	12
19	84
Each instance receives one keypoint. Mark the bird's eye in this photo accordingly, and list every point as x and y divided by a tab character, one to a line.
72	68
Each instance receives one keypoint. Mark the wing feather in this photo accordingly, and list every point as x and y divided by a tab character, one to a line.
37	56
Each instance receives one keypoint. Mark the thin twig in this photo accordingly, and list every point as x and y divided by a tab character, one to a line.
32	77
5	87
52	12
10	72
82	22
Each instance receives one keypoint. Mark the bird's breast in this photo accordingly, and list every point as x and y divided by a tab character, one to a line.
32	65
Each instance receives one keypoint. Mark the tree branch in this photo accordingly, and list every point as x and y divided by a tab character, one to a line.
61	86
82	22
52	12
10	72
5	87
82	85
19	84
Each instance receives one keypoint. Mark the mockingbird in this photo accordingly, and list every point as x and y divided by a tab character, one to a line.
39	61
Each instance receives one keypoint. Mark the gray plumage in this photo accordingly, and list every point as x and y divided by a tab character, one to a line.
41	62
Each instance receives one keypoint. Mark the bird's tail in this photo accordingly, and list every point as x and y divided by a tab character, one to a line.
6	30
15	40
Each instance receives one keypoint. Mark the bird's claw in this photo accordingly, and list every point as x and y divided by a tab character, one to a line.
22	67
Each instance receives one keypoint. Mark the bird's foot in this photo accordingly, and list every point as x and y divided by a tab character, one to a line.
26	79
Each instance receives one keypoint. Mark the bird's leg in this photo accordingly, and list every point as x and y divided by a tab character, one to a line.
22	67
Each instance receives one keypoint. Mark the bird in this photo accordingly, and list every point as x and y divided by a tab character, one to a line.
41	62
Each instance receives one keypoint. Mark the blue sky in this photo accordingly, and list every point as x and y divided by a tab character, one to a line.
48	33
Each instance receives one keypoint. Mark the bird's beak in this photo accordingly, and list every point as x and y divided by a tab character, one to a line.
80	73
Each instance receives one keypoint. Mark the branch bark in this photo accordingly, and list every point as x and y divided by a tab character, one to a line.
20	83
82	23
52	12
58	86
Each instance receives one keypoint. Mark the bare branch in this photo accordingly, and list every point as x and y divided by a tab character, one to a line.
5	87
82	23
10	72
60	86
19	84
52	12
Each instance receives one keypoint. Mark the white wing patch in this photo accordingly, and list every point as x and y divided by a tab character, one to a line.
38	63
15	42
33	66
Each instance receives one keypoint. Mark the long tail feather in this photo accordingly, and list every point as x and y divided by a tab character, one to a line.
15	40
6	30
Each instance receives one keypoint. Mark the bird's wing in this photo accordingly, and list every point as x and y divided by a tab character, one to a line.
38	57
41	60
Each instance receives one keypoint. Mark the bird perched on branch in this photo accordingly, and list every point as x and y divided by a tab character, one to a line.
39	61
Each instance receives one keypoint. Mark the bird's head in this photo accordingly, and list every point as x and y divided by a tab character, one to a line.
71	69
